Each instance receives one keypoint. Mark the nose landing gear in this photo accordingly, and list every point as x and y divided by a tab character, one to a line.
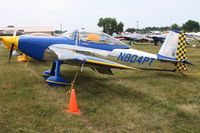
53	77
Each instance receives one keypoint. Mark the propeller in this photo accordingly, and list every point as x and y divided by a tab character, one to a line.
11	50
12	47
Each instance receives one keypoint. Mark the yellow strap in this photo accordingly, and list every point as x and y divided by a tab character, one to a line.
27	62
72	83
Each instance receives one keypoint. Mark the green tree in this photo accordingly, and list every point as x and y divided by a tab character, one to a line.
175	27
191	26
110	25
131	30
120	27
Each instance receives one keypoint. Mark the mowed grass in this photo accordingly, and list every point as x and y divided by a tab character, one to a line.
129	101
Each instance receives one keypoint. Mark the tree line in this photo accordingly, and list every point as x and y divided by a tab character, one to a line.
110	26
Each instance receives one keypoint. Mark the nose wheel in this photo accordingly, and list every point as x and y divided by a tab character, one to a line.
53	77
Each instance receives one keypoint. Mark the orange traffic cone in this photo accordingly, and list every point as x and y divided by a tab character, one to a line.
73	107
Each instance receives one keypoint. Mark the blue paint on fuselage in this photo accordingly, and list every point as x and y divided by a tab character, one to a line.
36	46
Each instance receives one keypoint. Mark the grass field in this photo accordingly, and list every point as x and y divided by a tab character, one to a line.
129	101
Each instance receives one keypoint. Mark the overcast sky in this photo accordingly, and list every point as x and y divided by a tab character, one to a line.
75	14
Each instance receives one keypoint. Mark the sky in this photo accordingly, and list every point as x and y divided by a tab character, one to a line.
77	14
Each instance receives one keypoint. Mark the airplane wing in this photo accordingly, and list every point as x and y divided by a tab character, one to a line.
71	56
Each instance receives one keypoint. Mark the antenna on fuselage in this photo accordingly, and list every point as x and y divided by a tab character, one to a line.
76	37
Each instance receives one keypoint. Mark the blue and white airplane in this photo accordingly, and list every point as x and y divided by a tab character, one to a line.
100	52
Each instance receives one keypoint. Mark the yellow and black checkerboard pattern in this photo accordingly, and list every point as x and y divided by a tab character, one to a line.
181	67
181	53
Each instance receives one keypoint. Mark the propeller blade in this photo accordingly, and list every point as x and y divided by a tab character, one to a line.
11	50
15	33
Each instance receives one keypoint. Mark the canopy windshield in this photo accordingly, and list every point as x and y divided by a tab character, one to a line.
100	38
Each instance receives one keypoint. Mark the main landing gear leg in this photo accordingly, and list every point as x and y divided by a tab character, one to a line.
51	72
55	79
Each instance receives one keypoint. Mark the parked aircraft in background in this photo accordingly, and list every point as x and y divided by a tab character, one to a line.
195	36
100	52
134	37
11	32
158	38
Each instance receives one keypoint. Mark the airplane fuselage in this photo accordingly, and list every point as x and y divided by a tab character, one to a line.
37	47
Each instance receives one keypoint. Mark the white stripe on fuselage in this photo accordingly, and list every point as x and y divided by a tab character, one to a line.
116	52
131	56
105	53
83	49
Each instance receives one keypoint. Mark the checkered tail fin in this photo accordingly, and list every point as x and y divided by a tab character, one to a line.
174	50
181	53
